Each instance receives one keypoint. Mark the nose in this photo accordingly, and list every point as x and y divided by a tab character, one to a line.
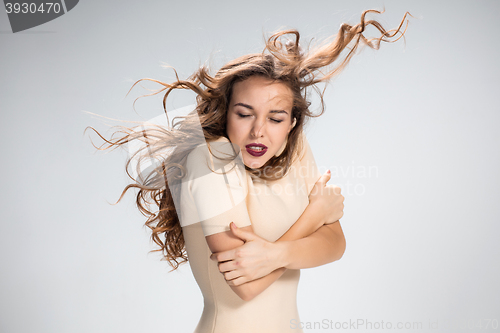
258	128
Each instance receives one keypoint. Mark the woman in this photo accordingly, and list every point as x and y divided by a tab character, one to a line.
235	181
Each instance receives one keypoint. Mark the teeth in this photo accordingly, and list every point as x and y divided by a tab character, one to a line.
256	148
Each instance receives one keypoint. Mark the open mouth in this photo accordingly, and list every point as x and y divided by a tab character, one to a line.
256	149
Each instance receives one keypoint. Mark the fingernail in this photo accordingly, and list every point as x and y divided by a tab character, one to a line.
328	171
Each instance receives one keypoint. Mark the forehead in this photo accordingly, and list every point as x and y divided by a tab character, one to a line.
259	90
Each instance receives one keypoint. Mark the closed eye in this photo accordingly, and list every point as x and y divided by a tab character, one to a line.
241	115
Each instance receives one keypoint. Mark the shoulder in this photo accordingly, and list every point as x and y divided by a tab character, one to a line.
306	163
220	148
303	151
218	157
215	185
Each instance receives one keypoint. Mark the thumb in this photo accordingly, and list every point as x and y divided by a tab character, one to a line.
325	178
242	234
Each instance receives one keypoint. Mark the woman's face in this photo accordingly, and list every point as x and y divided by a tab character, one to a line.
259	118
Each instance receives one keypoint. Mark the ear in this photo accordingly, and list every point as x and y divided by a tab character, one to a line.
293	124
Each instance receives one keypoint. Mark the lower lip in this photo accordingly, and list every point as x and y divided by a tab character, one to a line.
256	153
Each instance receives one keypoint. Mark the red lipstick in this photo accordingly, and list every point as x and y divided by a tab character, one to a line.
256	149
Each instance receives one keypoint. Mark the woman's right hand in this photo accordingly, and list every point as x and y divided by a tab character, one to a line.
327	200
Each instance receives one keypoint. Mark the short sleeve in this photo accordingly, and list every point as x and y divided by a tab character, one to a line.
217	187
308	168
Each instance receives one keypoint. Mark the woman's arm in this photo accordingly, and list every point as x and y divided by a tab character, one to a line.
301	249
325	245
251	268
221	243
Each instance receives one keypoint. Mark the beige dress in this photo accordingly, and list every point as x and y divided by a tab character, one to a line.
214	193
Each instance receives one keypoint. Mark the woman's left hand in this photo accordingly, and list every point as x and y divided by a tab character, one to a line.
250	261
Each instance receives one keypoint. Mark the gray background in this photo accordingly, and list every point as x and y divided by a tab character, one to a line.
421	228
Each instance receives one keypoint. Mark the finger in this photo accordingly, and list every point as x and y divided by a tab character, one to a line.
231	275
337	189
325	178
223	256
227	266
241	234
333	189
320	184
237	282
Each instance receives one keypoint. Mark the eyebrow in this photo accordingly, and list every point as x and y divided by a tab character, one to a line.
251	108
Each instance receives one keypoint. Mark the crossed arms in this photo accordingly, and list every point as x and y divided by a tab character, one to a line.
250	264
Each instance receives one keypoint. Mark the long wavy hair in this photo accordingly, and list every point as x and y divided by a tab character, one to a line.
282	60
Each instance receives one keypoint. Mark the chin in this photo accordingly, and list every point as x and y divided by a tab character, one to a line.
254	164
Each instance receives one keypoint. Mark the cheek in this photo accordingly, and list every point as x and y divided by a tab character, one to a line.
233	129
280	134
